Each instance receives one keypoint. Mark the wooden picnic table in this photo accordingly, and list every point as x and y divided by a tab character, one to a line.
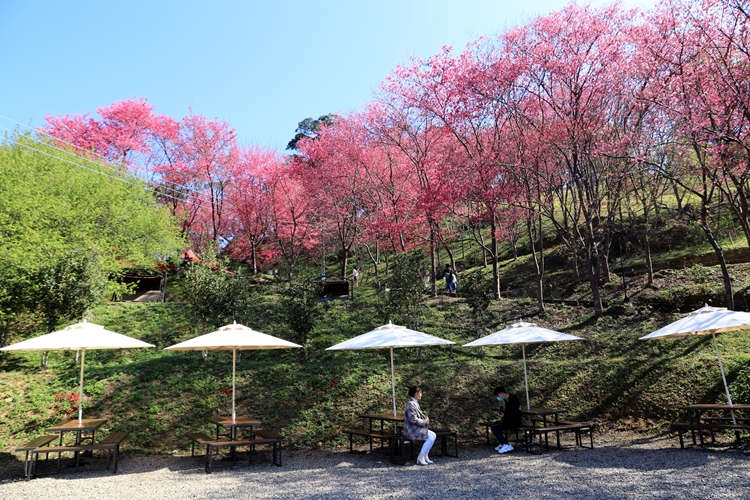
695	411
385	417
233	425
539	411
86	425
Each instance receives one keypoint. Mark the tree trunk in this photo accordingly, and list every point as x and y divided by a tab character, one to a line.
433	264
649	262
452	257
253	257
344	262
373	258
678	198
538	264
594	268
576	271
495	270
604	258
728	293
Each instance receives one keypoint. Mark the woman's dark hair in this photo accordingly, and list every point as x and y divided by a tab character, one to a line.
413	390
499	390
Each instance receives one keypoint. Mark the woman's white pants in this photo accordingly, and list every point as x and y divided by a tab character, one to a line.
427	446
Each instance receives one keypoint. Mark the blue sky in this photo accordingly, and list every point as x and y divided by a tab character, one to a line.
261	66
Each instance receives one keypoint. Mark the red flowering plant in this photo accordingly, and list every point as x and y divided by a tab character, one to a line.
228	392
66	403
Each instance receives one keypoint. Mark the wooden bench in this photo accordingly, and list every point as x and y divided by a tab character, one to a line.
368	434
265	434
539	420
212	444
681	427
578	428
31	445
111	443
398	447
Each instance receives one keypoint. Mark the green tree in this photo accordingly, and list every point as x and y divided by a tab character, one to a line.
66	288
300	299
309	128
216	296
477	289
403	300
60	210
14	299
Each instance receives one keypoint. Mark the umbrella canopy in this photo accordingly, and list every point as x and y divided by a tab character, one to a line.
78	337
706	321
522	333
387	337
234	337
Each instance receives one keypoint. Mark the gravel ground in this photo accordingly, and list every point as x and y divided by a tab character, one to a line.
619	467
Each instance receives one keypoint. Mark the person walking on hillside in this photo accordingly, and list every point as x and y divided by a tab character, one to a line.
510	418
415	425
355	276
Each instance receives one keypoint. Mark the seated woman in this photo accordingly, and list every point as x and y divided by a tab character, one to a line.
415	425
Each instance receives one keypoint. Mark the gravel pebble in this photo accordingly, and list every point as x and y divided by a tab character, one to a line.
616	468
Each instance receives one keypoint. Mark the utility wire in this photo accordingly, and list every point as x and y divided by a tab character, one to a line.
107	170
105	161
116	172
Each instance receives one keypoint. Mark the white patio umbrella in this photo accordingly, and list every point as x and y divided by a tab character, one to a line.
78	337
522	333
387	337
234	337
706	321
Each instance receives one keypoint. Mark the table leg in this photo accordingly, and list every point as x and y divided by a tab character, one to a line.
78	453
557	432
690	421
369	439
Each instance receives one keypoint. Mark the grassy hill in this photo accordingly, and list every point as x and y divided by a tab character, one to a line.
310	395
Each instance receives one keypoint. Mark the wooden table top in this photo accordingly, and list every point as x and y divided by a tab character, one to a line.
237	422
87	424
385	416
716	406
540	411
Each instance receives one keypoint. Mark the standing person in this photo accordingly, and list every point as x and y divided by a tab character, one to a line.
415	425
448	276
355	276
510	418
454	282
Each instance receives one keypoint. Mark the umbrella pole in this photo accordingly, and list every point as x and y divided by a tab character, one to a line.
80	391
724	378
525	377
234	365
393	384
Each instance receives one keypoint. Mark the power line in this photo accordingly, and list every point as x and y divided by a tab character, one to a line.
116	173
111	171
105	161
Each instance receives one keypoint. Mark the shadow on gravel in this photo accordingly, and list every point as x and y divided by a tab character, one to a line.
639	459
